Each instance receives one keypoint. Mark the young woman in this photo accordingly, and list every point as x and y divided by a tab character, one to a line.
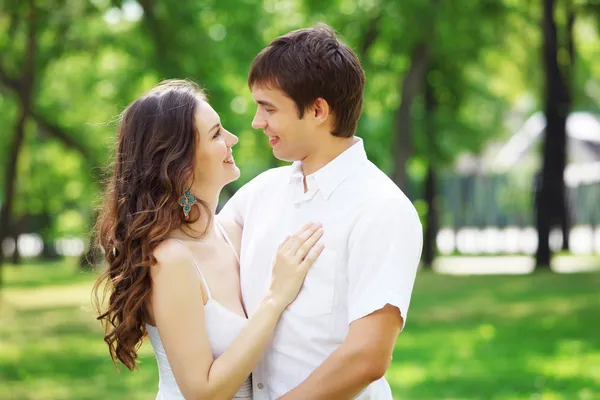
173	267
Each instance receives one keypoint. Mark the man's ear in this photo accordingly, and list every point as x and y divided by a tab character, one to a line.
321	110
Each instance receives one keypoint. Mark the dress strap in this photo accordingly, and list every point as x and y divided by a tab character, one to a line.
199	271
228	240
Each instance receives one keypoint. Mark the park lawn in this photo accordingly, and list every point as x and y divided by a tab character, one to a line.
480	337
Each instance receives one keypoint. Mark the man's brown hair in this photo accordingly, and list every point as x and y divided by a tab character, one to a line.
311	63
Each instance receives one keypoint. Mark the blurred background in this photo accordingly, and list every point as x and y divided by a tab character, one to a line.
485	112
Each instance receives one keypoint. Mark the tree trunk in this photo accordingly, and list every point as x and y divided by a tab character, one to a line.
48	251
18	227
164	55
570	70
25	97
466	200
11	176
551	199
566	225
369	38
46	126
15	257
431	230
93	256
409	90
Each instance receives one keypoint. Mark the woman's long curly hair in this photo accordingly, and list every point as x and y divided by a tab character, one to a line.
153	166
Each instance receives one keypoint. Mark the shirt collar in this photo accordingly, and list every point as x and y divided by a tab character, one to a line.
329	177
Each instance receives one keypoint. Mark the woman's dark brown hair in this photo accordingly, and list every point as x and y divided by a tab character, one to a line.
153	166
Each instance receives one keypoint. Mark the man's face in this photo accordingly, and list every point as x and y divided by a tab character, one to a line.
277	116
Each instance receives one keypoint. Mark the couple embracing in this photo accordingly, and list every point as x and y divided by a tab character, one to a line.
300	285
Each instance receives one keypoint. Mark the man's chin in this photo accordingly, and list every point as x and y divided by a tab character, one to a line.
283	156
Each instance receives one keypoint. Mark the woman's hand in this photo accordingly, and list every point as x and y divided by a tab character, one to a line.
294	257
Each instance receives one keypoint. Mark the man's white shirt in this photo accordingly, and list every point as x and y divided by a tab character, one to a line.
373	241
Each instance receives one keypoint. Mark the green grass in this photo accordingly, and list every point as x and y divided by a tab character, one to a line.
501	337
34	274
486	337
51	346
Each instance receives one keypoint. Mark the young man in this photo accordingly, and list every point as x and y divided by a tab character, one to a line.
336	339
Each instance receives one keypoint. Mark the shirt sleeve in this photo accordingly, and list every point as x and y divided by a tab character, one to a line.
384	250
236	207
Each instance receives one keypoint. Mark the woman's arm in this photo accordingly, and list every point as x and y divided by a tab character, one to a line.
179	315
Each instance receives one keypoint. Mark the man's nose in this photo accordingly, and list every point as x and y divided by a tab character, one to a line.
258	122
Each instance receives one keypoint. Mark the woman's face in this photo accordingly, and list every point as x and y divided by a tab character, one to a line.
215	166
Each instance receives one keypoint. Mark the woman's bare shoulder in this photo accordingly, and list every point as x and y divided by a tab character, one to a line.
171	251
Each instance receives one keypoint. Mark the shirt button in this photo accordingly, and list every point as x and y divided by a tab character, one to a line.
260	386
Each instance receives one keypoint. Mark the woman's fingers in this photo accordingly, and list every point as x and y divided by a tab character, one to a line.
312	256
309	243
297	240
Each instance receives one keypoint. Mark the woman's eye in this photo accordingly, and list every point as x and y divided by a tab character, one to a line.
217	134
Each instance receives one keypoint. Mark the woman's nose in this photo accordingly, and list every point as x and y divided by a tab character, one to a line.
232	140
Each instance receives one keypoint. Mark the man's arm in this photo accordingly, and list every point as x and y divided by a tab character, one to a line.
384	251
362	359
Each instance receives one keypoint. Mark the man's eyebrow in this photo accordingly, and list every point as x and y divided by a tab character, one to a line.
265	103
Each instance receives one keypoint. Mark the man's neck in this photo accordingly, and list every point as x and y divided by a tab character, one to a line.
325	154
